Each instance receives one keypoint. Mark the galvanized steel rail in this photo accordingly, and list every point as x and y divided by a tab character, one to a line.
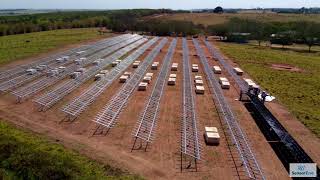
24	78
78	105
190	144
214	52
238	137
42	83
147	124
52	97
107	118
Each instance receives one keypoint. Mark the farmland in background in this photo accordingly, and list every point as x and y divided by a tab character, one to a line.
213	19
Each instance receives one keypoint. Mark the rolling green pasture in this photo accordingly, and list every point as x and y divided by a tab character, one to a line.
27	156
298	91
21	46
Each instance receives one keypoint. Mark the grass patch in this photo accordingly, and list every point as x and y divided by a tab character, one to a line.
26	156
299	91
15	47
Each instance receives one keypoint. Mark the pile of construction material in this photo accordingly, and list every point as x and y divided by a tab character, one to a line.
142	86
80	52
62	59
31	71
136	64
195	68
125	77
147	78
103	72
174	67
55	71
80	61
77	73
155	65
41	67
216	69
251	83
225	84
198	81
172	79
97	62
98	77
238	71
115	63
212	136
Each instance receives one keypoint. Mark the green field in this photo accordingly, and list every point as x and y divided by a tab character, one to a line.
16	47
27	156
299	91
213	19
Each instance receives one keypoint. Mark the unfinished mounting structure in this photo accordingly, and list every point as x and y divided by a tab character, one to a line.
22	78
284	145
108	117
190	143
237	136
78	105
44	82
49	99
146	126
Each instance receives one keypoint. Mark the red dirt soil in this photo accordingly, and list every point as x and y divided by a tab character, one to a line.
161	161
286	67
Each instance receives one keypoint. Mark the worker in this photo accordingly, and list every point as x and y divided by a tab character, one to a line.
263	96
256	91
240	99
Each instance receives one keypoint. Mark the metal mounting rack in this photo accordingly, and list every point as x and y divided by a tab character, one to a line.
107	118
24	78
78	105
49	99
146	126
42	83
19	70
249	162
190	144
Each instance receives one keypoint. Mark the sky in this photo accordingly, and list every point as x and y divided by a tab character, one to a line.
172	4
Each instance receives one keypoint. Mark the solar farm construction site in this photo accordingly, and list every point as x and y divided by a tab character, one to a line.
163	107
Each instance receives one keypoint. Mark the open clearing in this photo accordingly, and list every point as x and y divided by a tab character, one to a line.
99	118
213	19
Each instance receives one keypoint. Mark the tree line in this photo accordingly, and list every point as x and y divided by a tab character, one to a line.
10	25
284	33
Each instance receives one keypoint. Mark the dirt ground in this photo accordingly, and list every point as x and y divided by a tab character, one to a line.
162	158
286	67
